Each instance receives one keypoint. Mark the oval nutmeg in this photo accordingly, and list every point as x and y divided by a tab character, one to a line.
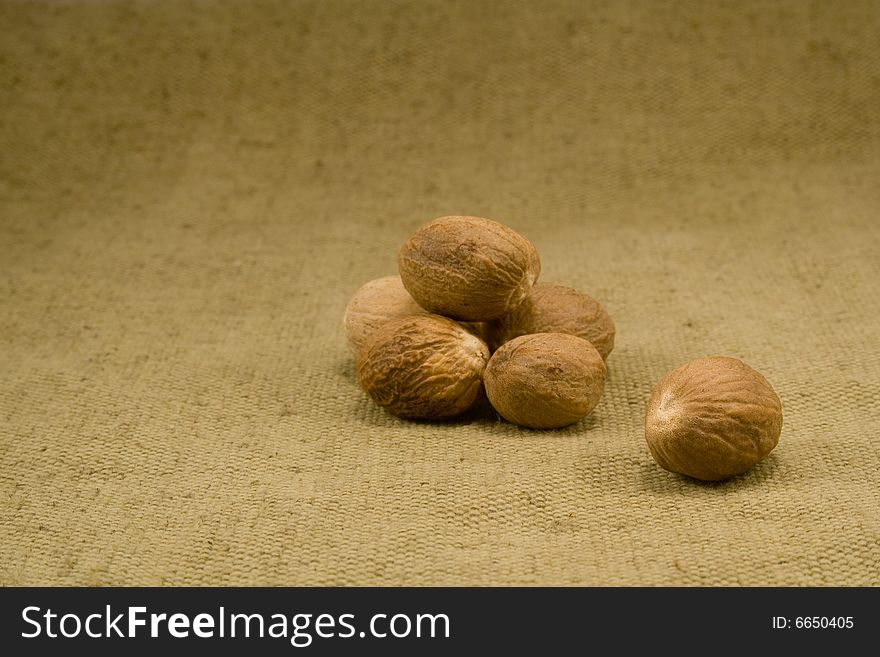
545	380
372	305
552	308
468	268
712	418
422	367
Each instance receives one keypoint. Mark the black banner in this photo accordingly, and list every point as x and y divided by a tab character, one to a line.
433	620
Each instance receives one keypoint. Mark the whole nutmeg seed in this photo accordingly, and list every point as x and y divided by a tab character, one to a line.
423	367
712	418
545	380
373	304
468	268
551	308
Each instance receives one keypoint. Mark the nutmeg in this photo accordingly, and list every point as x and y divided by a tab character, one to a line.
468	268
712	418
552	308
373	304
545	380
422	367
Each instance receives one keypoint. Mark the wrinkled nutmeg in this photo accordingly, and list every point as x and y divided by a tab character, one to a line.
545	380
712	418
468	268
374	303
422	367
551	308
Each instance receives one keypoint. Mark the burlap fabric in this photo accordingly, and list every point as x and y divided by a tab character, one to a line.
192	191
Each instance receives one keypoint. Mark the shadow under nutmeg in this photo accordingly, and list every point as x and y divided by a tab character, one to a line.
663	483
483	413
480	413
346	368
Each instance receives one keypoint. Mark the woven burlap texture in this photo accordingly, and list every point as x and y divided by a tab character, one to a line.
191	192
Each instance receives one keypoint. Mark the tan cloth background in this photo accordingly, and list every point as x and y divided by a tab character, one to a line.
192	191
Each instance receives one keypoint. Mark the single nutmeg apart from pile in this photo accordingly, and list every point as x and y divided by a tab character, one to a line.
422	367
712	418
375	303
468	268
551	308
545	380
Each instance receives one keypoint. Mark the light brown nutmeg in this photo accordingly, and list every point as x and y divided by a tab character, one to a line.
373	304
712	418
423	367
552	308
468	268
545	380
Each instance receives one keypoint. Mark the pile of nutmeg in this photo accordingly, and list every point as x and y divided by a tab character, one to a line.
466	314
